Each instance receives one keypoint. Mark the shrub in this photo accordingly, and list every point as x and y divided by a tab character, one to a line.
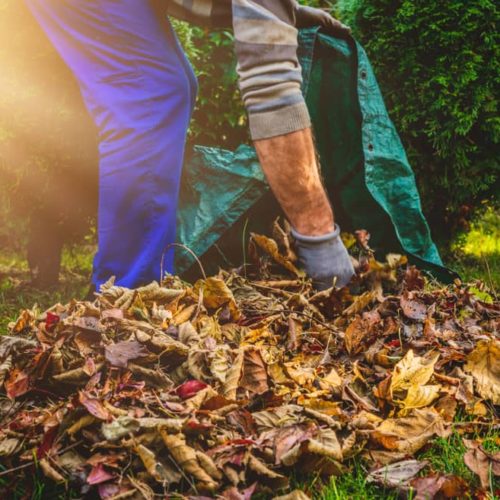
219	118
438	67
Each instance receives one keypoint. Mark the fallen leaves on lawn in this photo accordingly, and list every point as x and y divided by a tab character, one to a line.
226	387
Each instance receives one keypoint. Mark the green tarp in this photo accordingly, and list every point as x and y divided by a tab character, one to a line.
364	165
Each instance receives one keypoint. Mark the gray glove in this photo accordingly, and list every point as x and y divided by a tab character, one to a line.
324	258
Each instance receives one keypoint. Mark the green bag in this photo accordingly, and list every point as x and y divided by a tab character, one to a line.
364	165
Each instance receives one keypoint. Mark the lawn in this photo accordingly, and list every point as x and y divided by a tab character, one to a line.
475	255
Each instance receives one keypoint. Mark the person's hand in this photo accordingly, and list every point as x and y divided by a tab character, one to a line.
309	16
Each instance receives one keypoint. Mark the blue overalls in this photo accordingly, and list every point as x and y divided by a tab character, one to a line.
140	90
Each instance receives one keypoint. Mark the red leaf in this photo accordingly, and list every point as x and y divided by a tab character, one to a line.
94	406
17	384
99	475
51	321
47	442
190	388
394	343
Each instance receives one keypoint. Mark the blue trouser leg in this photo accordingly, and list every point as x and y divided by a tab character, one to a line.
140	91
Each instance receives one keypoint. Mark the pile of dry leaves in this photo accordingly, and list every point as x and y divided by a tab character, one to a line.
227	386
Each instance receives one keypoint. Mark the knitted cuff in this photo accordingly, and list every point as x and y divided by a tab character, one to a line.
316	239
279	121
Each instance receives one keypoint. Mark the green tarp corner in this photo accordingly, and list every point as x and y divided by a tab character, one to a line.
364	165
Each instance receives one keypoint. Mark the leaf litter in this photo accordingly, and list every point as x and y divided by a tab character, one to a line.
225	388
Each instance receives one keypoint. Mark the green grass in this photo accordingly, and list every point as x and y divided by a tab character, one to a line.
354	486
446	455
475	254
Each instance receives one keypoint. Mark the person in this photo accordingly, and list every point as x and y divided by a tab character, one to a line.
140	90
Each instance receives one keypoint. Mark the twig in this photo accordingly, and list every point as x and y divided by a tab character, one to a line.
472	422
32	462
289	311
187	249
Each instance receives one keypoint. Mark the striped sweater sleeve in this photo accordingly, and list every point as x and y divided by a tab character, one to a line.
270	76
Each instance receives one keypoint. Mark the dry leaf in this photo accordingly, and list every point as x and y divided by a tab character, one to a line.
396	475
271	248
121	353
481	462
254	377
408	434
413	309
216	294
483	364
407	388
155	468
186	458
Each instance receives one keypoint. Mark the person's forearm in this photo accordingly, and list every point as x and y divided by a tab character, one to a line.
290	165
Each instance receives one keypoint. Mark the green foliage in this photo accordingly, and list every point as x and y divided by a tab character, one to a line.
438	66
219	118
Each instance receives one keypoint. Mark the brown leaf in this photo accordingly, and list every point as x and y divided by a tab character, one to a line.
186	458
17	384
413	279
481	462
285	440
407	388
360	333
50	471
413	309
9	446
155	468
483	364
254	378
408	434
449	486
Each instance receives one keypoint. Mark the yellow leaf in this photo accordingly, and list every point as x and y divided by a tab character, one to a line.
219	364
408	381
420	396
186	458
331	382
302	375
360	302
483	364
271	248
331	408
216	294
